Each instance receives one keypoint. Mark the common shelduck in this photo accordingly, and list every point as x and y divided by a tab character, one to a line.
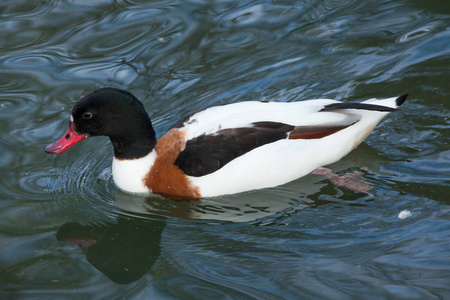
223	149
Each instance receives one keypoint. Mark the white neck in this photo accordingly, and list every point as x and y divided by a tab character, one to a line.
128	174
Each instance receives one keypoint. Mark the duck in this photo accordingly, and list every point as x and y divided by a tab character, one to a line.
224	149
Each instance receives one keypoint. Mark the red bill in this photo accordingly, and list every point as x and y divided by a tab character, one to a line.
69	139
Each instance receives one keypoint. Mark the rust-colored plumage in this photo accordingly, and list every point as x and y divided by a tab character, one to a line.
164	177
314	132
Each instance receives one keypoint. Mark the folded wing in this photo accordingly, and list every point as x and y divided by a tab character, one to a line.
206	154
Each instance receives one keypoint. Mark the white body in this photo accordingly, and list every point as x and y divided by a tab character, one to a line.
274	163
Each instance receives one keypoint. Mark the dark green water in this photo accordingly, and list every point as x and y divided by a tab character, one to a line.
67	233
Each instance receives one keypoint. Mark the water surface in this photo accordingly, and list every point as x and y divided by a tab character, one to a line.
67	233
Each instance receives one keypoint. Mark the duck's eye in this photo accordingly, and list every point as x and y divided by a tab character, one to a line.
87	115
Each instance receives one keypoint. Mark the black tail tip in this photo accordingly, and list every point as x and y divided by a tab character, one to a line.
401	99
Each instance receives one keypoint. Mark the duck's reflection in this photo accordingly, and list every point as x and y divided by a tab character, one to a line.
123	251
126	249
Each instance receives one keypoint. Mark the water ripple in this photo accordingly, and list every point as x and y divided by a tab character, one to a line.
65	227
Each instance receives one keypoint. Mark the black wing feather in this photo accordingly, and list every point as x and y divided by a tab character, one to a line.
206	154
353	105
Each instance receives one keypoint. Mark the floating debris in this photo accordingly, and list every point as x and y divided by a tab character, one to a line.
404	214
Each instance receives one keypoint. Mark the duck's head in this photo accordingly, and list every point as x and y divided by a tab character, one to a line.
114	113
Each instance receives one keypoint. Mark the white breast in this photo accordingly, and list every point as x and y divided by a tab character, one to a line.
128	174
